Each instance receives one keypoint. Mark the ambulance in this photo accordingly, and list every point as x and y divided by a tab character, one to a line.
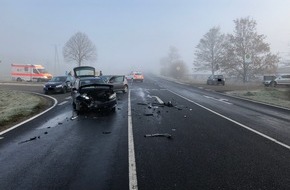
22	72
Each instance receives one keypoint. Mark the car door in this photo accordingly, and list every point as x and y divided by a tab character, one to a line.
118	82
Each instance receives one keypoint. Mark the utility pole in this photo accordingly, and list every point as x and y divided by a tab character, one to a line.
56	60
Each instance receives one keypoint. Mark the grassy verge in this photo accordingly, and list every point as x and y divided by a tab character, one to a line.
17	106
275	96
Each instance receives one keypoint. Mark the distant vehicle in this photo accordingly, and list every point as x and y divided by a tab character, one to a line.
135	76
22	72
90	92
268	80
283	79
58	84
119	82
216	80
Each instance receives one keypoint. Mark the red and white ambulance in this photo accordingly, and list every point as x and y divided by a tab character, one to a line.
22	72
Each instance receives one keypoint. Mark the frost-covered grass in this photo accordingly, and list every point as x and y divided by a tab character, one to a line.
274	96
16	106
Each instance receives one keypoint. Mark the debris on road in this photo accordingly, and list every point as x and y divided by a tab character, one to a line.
107	132
31	139
159	135
148	114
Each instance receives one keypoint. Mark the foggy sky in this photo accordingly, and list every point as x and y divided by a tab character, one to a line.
129	34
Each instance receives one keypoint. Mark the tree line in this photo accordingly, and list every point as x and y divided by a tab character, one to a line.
243	54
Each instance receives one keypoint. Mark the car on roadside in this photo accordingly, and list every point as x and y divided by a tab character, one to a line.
58	84
91	92
268	80
282	79
216	80
119	82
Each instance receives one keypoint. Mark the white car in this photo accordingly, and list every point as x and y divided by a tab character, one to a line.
283	79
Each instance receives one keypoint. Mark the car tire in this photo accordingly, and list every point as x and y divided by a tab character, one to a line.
74	106
125	89
64	90
113	110
18	79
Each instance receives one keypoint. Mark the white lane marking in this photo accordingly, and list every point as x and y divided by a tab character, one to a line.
19	124
131	152
68	98
64	102
241	125
157	98
1	138
218	99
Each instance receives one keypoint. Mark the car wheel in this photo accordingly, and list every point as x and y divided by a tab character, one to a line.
18	79
74	106
113	110
125	89
64	90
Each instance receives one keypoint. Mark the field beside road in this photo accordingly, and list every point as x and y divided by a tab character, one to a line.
17	106
277	96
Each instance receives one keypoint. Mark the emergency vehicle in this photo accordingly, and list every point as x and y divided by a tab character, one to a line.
22	72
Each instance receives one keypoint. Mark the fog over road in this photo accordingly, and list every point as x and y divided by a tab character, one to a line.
183	138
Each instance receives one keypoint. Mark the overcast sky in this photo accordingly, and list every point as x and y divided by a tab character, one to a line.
128	34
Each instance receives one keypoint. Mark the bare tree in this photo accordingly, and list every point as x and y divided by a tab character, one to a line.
79	48
210	51
166	62
246	42
178	69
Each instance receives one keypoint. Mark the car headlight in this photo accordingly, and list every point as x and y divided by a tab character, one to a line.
113	96
59	86
85	96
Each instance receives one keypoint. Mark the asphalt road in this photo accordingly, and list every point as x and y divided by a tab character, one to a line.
164	135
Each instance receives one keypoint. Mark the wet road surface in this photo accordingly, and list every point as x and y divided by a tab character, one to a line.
183	137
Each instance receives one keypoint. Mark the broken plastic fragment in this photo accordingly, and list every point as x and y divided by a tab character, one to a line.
148	114
169	104
159	135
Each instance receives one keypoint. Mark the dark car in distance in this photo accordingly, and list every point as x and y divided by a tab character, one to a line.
58	84
216	80
91	92
119	82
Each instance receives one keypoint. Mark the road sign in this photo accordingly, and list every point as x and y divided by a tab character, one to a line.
248	58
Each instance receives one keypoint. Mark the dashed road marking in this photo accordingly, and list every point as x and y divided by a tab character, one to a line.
218	99
62	103
133	185
240	124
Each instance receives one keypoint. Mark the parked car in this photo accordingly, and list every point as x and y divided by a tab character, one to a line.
119	82
137	76
91	92
283	79
268	80
58	84
216	80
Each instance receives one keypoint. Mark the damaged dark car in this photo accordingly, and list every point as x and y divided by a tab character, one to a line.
91	92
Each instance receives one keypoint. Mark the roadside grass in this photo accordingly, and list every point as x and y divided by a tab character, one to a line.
277	96
17	106
274	96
